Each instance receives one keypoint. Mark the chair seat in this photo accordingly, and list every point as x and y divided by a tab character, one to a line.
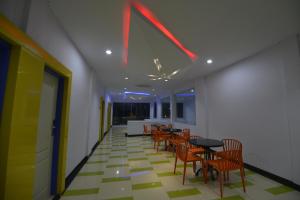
192	157
197	150
223	165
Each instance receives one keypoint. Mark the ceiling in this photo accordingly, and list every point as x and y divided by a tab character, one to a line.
225	31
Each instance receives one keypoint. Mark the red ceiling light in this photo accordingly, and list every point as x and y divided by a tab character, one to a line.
126	28
154	20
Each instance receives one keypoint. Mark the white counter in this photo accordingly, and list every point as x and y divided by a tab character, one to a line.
136	127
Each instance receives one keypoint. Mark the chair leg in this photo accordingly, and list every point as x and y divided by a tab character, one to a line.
194	166
184	171
175	165
243	178
204	171
221	183
227	175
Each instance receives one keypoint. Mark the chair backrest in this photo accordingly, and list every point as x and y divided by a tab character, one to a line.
145	128
233	150
182	150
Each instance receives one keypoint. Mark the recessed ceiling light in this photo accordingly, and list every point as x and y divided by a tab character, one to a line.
108	51
192	90
166	80
209	61
151	75
120	93
153	79
159	78
125	88
126	78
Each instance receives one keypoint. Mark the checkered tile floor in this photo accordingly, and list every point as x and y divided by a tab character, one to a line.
129	168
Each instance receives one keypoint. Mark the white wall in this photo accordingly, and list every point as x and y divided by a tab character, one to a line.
84	108
258	102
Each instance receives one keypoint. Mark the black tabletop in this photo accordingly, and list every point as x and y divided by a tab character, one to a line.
172	130
206	143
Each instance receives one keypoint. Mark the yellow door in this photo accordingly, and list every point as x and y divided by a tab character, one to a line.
102	106
108	116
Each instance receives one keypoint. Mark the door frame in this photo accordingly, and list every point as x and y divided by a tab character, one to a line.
4	63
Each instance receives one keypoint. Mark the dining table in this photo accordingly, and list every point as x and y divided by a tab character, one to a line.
207	144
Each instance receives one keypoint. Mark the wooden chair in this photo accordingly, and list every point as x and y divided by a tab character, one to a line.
186	156
159	137
228	160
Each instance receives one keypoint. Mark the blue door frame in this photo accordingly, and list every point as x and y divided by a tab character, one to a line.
56	130
4	62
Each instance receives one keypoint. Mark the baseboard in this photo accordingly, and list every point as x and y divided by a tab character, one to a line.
94	147
138	135
75	171
273	177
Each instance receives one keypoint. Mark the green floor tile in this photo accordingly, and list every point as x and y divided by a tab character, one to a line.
98	173
116	150
81	192
115	179
170	156
137	159
279	190
101	154
123	156
237	185
117	165
163	174
121	198
141	169
96	161
133	152
154	154
133	147
159	162
142	186
236	197
183	193
182	165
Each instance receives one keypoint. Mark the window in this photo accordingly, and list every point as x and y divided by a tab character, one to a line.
123	112
165	108
155	110
179	110
185	106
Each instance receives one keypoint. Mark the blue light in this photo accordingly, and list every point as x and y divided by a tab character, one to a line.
185	94
137	93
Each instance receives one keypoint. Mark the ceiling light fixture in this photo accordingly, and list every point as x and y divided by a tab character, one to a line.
126	78
137	93
108	51
166	80
125	88
209	61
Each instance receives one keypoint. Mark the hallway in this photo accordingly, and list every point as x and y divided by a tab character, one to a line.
129	168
